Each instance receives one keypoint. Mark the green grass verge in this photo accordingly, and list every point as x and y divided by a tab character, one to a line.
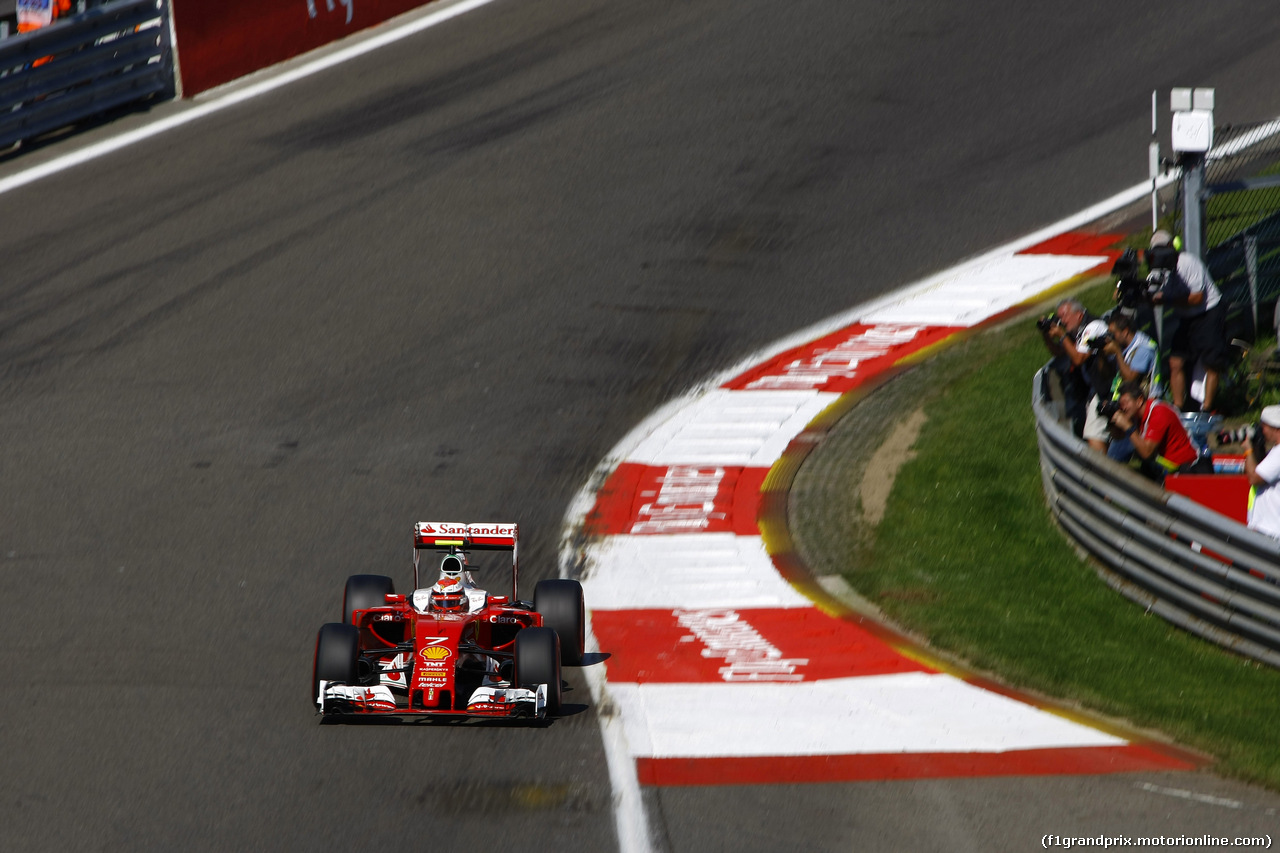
969	557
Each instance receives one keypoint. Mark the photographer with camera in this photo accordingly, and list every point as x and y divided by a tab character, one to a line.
1157	435
1137	359
1100	368
1182	281
1262	467
1136	356
1131	296
1067	334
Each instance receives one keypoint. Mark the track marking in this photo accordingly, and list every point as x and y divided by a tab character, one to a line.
872	767
910	712
1183	794
242	93
629	817
658	572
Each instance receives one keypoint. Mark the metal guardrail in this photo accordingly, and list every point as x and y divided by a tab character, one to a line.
109	56
1199	570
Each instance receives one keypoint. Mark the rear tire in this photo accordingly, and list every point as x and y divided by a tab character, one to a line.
337	655
363	592
561	604
537	654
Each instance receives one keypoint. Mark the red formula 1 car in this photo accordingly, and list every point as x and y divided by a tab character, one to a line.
450	648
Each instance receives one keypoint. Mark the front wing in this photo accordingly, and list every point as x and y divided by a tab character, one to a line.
335	698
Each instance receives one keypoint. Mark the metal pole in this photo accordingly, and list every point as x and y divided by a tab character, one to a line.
1251	267
1153	165
1193	204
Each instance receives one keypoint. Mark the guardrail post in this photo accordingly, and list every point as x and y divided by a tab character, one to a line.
166	49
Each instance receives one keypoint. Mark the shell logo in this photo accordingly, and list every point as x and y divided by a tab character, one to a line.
435	653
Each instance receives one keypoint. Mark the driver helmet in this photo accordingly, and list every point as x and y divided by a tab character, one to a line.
447	595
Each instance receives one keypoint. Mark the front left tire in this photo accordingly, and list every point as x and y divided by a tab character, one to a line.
337	656
537	660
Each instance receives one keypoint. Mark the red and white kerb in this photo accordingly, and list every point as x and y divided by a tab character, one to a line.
725	673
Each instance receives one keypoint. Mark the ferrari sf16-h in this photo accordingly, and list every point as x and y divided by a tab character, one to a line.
450	648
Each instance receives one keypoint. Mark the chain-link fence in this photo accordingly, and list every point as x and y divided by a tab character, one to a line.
1242	224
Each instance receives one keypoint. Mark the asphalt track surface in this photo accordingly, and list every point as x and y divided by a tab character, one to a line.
239	361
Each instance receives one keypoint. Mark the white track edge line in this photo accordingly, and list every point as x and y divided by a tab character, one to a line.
240	95
852	315
629	817
1097	211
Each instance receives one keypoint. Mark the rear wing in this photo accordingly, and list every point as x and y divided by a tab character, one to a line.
478	537
469	537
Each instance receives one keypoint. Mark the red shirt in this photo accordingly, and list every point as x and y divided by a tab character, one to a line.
1161	424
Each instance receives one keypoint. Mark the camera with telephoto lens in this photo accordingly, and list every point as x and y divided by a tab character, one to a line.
1131	290
1048	322
1250	434
1100	341
1167	283
1107	408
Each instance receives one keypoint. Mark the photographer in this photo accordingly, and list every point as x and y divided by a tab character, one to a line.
1262	467
1136	359
1100	369
1131	296
1182	281
1066	335
1157	435
1136	356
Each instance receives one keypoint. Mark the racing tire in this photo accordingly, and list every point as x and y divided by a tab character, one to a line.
363	592
537	654
337	655
561	604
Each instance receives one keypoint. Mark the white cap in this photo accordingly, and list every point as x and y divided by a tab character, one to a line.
1161	238
1271	416
1096	329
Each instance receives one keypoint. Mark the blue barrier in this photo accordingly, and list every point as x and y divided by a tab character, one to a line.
107	57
